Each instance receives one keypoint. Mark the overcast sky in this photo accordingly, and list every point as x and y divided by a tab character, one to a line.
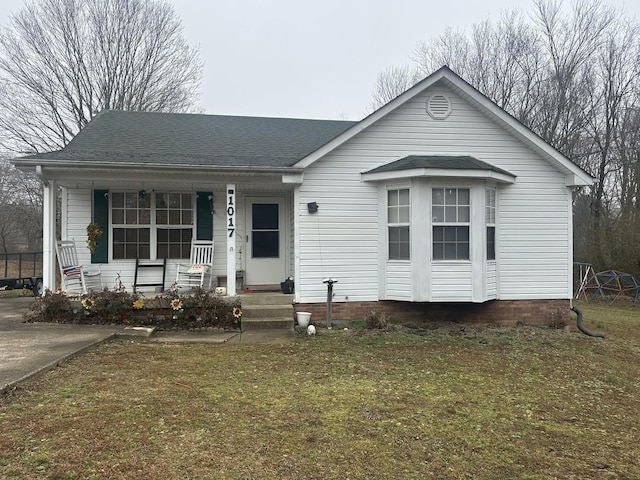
295	58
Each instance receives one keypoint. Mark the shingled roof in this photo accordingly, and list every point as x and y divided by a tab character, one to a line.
445	162
189	139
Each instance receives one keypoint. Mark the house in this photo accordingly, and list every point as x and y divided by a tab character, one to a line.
437	205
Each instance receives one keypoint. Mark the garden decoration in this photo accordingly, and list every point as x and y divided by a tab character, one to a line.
94	234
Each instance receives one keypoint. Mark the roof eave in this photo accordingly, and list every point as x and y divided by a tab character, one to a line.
439	173
45	164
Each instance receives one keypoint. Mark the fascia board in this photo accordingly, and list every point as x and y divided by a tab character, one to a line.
371	119
75	165
439	173
565	164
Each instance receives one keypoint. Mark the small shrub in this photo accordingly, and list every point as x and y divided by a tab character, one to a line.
109	306
51	307
204	307
376	320
557	320
171	310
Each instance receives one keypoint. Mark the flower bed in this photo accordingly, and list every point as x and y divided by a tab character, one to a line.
198	309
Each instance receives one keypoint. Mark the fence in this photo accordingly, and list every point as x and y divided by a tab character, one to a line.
21	265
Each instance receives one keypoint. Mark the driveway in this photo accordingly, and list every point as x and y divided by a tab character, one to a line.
28	349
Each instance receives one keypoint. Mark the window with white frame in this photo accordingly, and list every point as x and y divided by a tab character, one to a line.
398	222
450	214
490	220
151	225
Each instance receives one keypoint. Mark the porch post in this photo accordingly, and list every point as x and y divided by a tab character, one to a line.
49	235
231	239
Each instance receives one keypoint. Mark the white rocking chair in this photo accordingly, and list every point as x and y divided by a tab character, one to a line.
199	271
76	279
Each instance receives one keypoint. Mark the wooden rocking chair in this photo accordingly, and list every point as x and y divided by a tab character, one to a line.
76	279
199	271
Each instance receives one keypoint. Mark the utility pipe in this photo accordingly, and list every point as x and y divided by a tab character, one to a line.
582	328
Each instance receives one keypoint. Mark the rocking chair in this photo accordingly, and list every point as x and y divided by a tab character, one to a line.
199	271
76	279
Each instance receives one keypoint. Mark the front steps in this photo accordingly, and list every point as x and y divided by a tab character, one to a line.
267	311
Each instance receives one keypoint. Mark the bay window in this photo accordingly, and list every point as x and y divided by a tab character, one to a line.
398	220
450	214
490	220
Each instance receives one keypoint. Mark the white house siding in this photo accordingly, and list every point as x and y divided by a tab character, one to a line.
534	238
452	282
491	281
341	239
76	218
398	281
291	219
533	235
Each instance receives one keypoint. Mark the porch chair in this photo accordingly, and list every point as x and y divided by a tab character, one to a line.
199	271
76	278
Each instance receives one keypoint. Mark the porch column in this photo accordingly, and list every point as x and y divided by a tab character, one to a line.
49	235
231	239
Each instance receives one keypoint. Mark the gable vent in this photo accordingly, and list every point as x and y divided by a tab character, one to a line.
439	107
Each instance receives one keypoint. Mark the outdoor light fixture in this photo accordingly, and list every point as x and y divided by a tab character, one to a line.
312	207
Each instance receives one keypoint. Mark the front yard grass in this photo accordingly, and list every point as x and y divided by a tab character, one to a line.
452	402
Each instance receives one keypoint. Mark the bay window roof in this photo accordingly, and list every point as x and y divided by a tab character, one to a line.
464	166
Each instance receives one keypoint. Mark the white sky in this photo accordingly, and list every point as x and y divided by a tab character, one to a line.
295	58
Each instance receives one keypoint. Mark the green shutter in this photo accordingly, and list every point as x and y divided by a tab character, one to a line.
204	216
101	216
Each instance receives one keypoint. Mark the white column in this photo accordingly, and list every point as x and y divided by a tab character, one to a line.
49	236
231	239
478	242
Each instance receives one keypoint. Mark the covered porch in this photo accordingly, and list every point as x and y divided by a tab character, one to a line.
154	213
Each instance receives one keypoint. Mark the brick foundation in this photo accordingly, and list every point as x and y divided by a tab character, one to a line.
497	312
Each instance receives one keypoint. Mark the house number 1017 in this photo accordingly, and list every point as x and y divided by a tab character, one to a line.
231	214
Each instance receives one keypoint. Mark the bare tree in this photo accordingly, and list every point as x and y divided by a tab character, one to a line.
20	209
62	61
572	75
390	83
501	59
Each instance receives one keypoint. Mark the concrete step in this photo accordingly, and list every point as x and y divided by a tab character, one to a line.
254	324
267	311
249	299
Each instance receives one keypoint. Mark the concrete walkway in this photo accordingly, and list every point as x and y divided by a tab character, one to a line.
29	349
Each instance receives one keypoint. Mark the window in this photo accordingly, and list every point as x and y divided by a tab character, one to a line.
490	220
450	214
151	225
398	220
174	210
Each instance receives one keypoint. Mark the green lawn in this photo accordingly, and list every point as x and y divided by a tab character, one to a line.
442	403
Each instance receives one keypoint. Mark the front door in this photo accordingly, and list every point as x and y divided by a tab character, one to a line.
265	241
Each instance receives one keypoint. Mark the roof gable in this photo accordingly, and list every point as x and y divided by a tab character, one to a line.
574	175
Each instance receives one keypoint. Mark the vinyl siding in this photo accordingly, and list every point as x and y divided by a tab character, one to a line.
532	225
451	282
491	280
398	281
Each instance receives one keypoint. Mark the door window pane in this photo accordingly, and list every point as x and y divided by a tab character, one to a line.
264	216
265	244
